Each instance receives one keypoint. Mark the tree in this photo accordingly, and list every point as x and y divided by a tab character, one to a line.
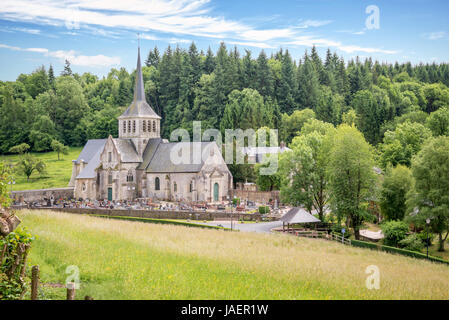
67	70
51	77
59	147
153	58
28	163
438	122
351	176
395	232
401	145
303	172
20	149
42	133
393	196
430	198
291	125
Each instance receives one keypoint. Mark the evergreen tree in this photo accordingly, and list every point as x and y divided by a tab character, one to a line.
67	70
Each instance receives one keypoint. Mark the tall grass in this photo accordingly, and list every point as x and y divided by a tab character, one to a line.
58	172
133	260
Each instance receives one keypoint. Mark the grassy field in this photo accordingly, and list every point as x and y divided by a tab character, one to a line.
57	175
133	260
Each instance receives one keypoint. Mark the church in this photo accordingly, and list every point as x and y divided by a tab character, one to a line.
138	163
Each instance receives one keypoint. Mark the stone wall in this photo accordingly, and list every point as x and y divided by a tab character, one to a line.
256	196
160	214
40	194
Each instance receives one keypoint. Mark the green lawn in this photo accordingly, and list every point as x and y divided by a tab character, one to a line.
134	260
58	171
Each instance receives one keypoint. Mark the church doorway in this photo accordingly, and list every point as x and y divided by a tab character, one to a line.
110	194
216	188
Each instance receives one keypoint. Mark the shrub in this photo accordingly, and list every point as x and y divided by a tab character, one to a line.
394	232
264	209
423	237
337	229
412	243
13	252
236	201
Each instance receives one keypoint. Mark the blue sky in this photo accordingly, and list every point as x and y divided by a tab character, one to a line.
96	35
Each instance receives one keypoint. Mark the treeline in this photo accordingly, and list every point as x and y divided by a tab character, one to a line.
223	90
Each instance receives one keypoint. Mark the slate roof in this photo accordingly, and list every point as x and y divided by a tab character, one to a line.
148	154
127	150
157	158
89	171
298	215
139	107
90	149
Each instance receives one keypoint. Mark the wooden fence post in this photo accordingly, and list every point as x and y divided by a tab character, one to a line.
71	291
34	282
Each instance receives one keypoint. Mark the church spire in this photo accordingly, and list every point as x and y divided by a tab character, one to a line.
139	91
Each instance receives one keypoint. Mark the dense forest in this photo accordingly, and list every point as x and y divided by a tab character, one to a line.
217	89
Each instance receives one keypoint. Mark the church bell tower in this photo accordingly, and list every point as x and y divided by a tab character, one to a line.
139	122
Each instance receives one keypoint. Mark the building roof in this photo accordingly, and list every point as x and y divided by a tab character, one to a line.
90	150
160	161
127	150
89	171
149	152
139	107
298	215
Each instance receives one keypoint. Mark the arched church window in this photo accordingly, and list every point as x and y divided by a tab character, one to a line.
124	126
130	177
84	186
129	126
144	126
134	126
175	187
154	126
191	186
157	184
110	178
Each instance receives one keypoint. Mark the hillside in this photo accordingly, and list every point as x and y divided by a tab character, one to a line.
131	260
57	175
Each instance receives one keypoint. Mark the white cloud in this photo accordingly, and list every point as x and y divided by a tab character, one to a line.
309	41
253	44
181	18
74	58
26	30
313	23
435	35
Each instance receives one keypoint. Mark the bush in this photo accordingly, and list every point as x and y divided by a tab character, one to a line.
14	250
423	237
236	201
337	229
264	209
394	231
404	252
412	243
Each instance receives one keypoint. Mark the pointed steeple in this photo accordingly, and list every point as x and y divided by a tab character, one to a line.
139	90
139	107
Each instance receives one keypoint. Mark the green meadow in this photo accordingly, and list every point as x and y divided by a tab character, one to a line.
134	260
57	174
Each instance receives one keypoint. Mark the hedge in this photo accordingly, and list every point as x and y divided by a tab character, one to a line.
161	221
404	252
